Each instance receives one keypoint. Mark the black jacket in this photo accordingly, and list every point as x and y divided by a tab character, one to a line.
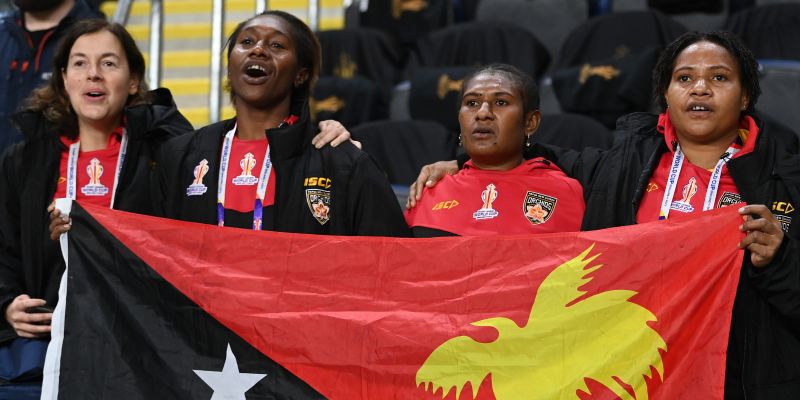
361	199
764	346
31	263
24	68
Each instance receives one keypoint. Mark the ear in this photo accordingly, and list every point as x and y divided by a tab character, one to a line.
745	101
532	120
133	87
301	77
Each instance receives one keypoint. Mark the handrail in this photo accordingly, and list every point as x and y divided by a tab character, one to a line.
217	32
156	42
122	12
313	15
261	6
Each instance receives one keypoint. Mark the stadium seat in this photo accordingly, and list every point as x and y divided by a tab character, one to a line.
616	35
573	131
780	91
350	101
403	20
402	148
365	52
479	43
549	20
605	66
435	94
770	31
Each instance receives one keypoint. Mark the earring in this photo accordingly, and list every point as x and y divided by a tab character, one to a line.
459	140
528	141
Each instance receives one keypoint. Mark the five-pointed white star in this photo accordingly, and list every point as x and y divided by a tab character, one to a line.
229	384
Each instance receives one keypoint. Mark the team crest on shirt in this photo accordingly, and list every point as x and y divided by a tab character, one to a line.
246	178
728	199
319	203
684	204
538	208
488	196
94	187
783	207
197	187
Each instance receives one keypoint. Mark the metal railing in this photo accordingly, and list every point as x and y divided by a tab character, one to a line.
156	41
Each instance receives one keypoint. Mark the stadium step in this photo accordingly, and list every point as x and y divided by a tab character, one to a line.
187	41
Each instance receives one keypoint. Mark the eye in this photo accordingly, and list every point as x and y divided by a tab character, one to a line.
246	41
683	78
277	45
471	103
501	102
109	64
78	63
719	78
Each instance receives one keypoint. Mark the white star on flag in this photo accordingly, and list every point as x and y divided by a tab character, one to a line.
229	384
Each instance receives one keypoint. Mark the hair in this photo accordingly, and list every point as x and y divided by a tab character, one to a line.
520	80
748	66
52	99
307	49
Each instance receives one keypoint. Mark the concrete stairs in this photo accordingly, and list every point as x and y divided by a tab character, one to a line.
187	43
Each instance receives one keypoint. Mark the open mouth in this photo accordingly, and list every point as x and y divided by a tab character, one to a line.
94	94
255	71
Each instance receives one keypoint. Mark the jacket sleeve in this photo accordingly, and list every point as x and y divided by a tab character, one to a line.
10	247
779	282
372	204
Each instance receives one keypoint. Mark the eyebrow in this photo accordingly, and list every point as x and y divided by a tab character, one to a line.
498	93
274	30
104	55
692	67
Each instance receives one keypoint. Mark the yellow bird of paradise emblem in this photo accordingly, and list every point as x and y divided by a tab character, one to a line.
604	337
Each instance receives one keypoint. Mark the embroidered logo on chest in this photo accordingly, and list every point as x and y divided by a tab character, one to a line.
94	187
488	196
684	204
319	203
728	198
538	208
197	187
246	178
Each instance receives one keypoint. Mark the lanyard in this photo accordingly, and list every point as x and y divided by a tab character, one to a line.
675	172
261	189
72	168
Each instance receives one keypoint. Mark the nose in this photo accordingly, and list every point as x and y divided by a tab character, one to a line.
484	112
93	73
700	87
258	49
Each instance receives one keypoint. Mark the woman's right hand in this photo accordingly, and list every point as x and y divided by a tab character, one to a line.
28	325
58	224
428	177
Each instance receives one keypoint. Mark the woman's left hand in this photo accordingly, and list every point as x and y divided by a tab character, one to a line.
763	234
58	223
333	133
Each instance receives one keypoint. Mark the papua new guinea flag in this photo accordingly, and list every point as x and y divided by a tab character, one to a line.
153	308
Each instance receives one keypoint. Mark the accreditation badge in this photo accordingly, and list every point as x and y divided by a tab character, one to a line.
538	208
319	203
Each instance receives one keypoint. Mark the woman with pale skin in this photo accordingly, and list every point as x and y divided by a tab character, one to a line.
94	112
498	115
707	85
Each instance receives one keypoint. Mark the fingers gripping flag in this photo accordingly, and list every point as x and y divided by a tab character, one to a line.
153	308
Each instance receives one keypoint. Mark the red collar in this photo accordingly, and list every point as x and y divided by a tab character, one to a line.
747	124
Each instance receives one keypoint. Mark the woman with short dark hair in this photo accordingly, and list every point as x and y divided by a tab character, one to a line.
259	169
